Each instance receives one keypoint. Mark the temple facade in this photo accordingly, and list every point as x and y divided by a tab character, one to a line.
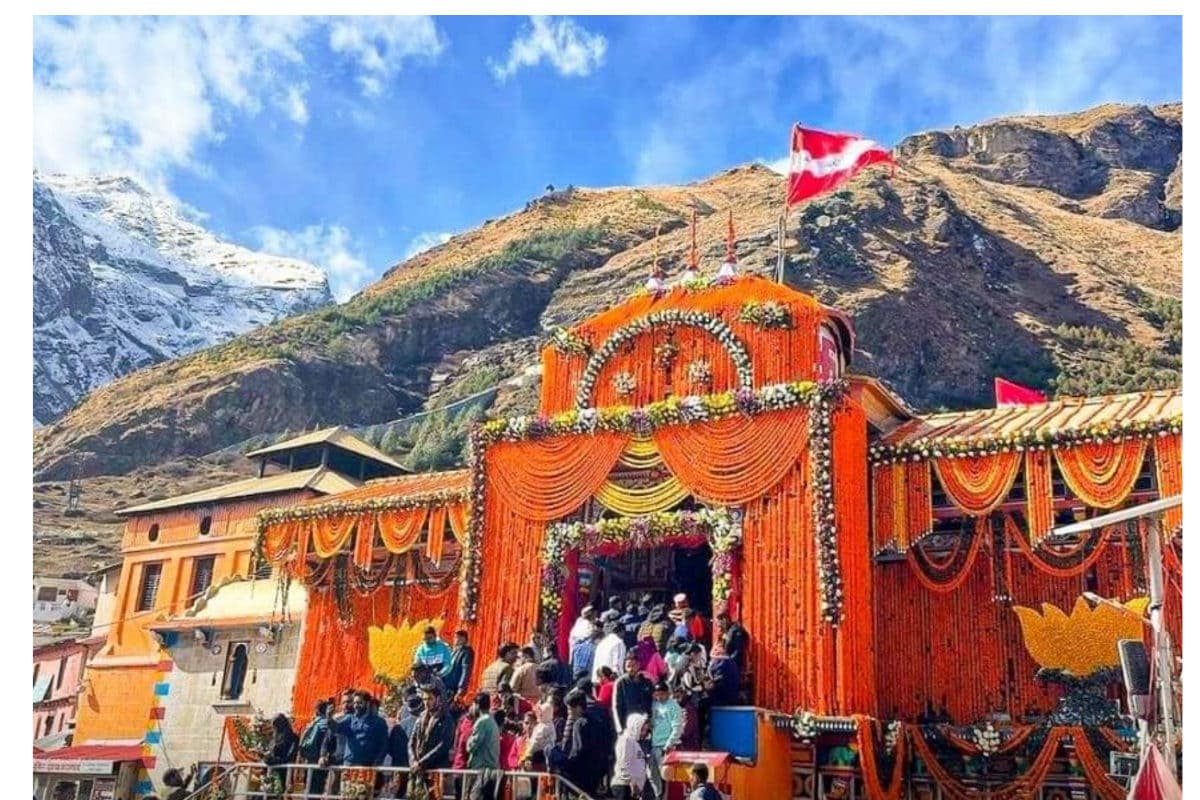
913	627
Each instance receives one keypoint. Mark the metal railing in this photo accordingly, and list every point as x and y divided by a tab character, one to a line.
256	781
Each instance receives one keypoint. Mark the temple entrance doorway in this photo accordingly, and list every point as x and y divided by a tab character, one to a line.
661	572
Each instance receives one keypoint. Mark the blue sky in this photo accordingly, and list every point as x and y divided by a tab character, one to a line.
352	142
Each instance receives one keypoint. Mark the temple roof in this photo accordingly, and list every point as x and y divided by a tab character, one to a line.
320	479
1064	416
336	436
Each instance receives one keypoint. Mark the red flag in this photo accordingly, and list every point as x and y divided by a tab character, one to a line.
822	161
1154	780
1014	394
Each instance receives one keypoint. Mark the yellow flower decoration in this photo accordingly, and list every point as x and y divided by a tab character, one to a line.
390	649
1084	642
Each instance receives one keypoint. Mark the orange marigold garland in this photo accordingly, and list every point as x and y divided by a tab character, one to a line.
1102	474
869	760
977	484
1168	466
951	573
1094	769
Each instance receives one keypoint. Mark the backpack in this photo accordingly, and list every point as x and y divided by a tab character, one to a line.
312	739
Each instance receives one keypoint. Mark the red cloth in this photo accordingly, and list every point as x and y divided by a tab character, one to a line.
1014	394
509	753
604	693
465	724
822	160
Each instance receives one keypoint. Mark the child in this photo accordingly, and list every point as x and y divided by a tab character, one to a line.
604	691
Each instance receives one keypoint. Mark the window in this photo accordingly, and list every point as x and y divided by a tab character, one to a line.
62	671
151	575
48	727
236	663
47	594
205	524
202	575
36	669
152	534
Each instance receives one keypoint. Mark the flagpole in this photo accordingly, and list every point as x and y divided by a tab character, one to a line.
779	264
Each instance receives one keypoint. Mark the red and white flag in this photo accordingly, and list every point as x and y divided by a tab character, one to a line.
1014	394
823	160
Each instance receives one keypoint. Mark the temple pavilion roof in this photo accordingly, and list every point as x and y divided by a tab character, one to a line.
1066	417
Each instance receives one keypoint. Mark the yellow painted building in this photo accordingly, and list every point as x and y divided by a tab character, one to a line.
176	550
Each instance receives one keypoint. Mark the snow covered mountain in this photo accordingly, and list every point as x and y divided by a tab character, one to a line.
122	280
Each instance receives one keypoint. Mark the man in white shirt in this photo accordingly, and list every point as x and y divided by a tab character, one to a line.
582	629
610	651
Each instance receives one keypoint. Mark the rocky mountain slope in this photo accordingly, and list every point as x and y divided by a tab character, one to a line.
122	280
1045	249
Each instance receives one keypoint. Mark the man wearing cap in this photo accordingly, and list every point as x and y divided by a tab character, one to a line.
584	655
610	651
582	630
688	623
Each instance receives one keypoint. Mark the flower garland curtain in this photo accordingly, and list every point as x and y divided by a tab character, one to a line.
634	501
1102	474
736	459
1039	494
399	530
335	655
933	576
869	763
1094	769
330	534
902	504
1024	786
1168	467
364	541
1098	544
977	484
547	479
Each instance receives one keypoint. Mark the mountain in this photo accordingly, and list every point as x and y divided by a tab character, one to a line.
1045	249
122	280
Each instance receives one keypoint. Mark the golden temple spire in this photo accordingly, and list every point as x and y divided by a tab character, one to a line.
729	268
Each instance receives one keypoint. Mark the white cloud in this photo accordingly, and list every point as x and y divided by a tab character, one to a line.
142	95
425	241
380	45
779	165
570	49
294	105
330	247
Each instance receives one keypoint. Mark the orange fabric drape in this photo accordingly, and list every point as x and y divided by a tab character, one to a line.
278	539
1039	494
868	763
735	459
400	529
1168	467
977	484
334	656
546	479
437	533
1102	475
330	534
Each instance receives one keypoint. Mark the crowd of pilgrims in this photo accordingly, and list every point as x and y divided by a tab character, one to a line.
638	683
